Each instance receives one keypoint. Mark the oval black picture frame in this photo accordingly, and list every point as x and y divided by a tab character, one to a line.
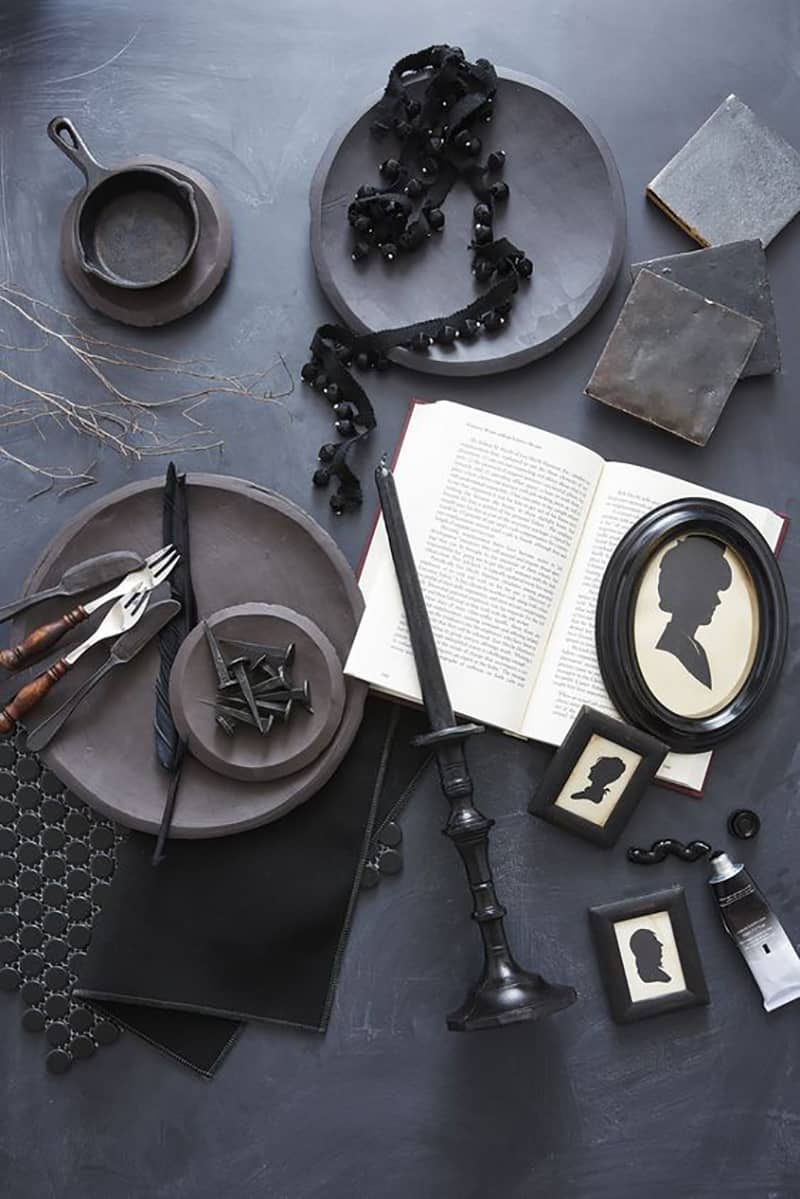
616	606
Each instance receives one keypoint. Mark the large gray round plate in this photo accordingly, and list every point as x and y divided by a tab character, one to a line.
247	544
566	210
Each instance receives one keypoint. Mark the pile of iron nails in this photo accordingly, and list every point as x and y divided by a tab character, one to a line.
254	684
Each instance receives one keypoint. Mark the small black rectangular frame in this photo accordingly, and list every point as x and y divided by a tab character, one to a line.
587	723
602	920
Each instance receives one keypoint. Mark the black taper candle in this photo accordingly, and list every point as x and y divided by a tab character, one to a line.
426	656
505	993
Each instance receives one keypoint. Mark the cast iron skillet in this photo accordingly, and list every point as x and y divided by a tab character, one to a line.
135	227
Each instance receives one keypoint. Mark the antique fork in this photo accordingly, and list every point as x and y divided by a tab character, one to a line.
156	569
123	616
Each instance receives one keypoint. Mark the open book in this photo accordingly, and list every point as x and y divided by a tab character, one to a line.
511	528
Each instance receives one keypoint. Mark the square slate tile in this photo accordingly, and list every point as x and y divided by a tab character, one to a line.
673	357
734	275
735	179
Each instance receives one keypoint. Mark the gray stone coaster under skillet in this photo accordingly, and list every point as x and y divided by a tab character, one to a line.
734	179
191	287
673	358
566	208
736	276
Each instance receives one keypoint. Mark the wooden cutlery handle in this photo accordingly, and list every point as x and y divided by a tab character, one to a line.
41	639
30	695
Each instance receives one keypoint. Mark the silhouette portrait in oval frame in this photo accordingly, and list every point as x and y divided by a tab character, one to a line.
691	578
691	623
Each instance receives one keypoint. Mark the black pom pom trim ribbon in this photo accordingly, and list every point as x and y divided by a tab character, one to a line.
332	343
437	145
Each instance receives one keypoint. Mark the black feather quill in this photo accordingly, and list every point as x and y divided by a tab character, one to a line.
170	748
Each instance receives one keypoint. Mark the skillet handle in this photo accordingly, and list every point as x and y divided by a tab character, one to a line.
62	131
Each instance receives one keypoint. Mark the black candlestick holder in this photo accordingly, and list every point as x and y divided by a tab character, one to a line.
505	993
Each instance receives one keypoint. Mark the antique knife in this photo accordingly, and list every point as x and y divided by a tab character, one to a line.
123	616
124	649
84	576
155	570
505	992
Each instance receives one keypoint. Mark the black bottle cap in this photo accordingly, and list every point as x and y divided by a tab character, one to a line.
743	824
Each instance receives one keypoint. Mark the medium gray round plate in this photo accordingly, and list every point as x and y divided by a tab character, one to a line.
290	745
190	288
246	542
566	210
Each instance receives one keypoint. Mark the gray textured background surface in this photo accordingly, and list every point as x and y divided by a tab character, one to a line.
697	1104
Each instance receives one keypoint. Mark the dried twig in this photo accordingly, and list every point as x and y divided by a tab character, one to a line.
116	412
73	480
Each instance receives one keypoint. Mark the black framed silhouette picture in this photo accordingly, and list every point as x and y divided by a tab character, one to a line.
597	777
691	624
695	625
648	955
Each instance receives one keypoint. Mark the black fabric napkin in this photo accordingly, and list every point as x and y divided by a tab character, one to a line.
251	926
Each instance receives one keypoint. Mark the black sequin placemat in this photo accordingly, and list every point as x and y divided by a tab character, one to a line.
57	857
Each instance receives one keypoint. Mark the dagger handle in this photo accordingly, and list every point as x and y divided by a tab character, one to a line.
41	639
30	695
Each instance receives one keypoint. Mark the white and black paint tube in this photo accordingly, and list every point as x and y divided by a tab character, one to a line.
756	931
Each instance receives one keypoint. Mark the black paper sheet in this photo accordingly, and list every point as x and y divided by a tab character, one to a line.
251	926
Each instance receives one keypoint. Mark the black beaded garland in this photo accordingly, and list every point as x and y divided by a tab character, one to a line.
492	321
437	144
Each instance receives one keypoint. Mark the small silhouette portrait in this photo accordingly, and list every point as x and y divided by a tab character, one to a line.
604	772
647	949
691	576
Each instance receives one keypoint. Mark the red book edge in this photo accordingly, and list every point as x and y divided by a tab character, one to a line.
393	464
680	787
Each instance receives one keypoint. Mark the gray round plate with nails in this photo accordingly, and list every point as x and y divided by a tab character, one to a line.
289	746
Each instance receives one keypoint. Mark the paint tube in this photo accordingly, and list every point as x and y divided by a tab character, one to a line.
756	932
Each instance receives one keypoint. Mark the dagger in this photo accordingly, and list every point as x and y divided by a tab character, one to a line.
505	992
